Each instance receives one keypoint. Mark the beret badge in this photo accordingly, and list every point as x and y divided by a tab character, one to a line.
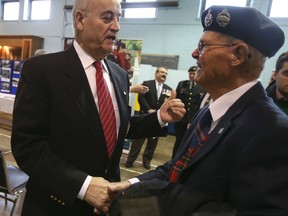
208	19
247	24
223	18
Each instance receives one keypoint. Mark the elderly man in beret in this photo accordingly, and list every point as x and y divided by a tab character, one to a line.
243	159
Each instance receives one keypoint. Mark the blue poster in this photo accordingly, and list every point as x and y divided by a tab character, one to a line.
9	76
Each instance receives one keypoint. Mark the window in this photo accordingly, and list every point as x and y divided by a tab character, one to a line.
139	12
241	3
207	3
10	10
279	8
37	9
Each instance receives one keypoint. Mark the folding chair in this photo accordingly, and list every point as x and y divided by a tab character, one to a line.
12	181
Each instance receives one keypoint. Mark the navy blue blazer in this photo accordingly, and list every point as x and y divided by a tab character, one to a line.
243	162
57	137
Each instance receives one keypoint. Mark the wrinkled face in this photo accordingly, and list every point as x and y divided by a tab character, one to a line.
281	77
161	75
213	60
97	27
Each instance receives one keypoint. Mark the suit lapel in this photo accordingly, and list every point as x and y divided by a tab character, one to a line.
122	96
77	86
226	122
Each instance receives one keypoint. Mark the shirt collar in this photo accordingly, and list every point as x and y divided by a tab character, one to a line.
220	106
157	83
85	58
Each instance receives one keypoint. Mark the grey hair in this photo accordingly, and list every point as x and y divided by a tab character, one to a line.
82	5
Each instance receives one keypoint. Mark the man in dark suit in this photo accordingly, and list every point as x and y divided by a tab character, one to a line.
150	102
242	160
57	136
190	93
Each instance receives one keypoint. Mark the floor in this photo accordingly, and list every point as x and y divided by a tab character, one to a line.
162	154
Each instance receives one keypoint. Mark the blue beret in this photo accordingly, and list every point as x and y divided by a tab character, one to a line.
247	24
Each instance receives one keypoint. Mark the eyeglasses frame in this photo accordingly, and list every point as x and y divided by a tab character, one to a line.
202	45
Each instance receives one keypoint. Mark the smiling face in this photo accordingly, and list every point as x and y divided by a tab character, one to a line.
161	74
214	62
96	26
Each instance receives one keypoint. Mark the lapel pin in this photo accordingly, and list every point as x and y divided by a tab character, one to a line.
124	93
221	130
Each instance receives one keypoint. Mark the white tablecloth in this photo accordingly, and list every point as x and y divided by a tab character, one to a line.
6	103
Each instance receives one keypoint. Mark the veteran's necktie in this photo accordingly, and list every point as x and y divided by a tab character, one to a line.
106	110
199	136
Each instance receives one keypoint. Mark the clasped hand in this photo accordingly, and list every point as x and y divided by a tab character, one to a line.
100	193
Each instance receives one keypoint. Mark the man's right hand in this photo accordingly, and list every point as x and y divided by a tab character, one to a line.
115	187
97	195
172	110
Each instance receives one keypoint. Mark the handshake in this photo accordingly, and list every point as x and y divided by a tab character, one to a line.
152	198
101	193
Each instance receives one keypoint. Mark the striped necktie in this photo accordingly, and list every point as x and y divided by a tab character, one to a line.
200	135
158	91
106	110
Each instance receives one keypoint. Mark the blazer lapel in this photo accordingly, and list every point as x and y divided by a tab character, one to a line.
122	96
225	123
77	85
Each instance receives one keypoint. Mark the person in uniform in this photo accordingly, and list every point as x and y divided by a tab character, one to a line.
190	93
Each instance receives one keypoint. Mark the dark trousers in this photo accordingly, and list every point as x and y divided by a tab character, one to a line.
180	130
148	153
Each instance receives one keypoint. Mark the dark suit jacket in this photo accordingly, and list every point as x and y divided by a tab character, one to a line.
149	100
190	98
244	160
57	138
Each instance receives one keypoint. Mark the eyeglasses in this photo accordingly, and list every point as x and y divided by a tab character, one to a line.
202	45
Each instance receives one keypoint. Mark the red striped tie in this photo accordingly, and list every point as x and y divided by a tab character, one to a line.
106	109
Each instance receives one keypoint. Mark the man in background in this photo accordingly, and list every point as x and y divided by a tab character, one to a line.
190	93
150	102
39	52
278	89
